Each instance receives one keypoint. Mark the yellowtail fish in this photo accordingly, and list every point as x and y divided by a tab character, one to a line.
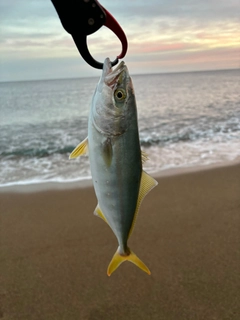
116	159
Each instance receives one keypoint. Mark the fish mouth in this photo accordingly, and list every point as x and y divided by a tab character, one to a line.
111	77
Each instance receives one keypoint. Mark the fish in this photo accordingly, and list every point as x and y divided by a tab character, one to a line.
116	159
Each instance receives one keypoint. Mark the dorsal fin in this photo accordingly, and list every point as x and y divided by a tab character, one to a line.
144	156
146	185
80	149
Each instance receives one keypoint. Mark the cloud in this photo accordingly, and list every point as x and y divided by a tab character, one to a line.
162	35
25	11
205	9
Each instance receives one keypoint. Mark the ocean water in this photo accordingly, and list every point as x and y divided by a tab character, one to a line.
185	119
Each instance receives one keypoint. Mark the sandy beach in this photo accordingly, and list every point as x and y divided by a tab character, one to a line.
55	253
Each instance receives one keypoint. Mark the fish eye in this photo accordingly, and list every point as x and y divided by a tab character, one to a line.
120	94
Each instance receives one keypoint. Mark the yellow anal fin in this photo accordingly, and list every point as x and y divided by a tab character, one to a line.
146	185
117	259
80	150
98	212
144	156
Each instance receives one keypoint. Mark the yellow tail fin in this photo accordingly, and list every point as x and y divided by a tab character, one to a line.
117	259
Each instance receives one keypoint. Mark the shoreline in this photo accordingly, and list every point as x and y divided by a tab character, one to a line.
87	183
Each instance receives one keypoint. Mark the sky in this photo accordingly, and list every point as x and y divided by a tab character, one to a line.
163	36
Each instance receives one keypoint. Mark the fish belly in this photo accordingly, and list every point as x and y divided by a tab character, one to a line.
116	172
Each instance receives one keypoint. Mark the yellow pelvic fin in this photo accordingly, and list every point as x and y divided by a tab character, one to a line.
107	151
144	156
146	185
80	150
98	212
117	259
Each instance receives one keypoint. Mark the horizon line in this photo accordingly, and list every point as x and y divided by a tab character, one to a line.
134	74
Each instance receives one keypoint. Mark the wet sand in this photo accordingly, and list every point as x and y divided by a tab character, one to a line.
55	253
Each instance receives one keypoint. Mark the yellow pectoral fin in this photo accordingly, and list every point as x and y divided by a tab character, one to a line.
80	150
118	259
146	185
98	212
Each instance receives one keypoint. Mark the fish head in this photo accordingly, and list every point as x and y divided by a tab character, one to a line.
114	104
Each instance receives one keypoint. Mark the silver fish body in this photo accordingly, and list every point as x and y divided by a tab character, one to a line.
115	158
115	155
